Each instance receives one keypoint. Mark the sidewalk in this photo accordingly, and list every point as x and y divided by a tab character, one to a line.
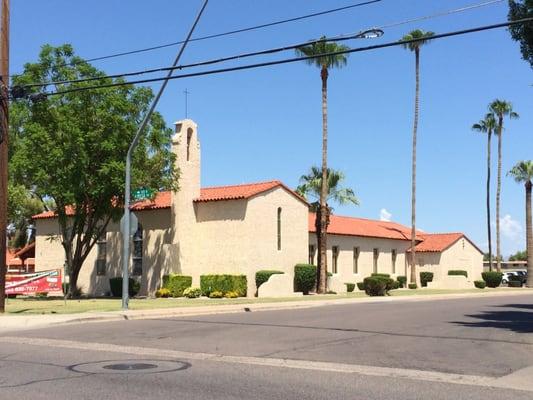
25	322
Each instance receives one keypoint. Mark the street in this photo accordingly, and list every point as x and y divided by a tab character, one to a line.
478	348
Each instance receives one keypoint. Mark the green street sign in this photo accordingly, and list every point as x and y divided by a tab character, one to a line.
142	194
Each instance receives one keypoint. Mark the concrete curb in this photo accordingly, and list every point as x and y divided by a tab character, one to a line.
17	323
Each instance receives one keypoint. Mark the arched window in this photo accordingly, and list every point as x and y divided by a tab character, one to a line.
189	139
138	251
279	228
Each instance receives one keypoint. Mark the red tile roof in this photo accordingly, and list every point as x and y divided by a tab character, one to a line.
236	192
218	193
438	242
351	226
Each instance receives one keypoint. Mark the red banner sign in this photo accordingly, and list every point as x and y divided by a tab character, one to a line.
38	282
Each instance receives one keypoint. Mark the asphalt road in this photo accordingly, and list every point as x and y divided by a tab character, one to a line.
478	348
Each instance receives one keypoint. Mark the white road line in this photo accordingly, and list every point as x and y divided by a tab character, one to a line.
399	373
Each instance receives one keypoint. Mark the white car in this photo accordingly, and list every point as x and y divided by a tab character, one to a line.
506	275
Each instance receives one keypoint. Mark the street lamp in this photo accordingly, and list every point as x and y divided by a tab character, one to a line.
370	34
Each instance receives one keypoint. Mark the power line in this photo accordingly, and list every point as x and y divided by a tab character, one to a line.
228	33
273	50
297	59
363	34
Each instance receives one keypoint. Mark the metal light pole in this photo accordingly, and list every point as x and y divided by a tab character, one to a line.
125	226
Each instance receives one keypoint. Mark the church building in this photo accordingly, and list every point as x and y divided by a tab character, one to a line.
240	229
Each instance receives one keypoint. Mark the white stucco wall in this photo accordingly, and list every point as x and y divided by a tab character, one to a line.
346	244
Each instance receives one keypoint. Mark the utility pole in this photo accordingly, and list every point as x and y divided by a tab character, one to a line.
4	128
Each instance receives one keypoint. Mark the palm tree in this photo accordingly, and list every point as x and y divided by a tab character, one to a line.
311	188
523	172
421	38
501	109
487	125
321	52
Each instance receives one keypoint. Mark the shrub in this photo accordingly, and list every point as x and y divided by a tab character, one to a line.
480	284
458	272
224	284
361	285
162	293
192	293
176	284
492	278
396	285
116	287
377	285
425	277
379	274
412	286
231	295
216	295
304	278
350	287
263	276
331	292
403	280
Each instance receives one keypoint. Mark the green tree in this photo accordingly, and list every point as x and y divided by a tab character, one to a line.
311	188
523	173
487	125
519	256
500	109
21	206
324	62
71	149
421	38
523	33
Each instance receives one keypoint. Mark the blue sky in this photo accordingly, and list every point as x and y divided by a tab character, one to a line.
266	124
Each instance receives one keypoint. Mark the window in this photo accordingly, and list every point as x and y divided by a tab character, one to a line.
393	255
101	255
312	254
138	251
279	228
335	256
189	138
376	256
356	260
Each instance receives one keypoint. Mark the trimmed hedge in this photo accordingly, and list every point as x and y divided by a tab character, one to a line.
263	276
176	284
480	284
304	278
379	274
361	285
116	286
350	287
378	285
492	278
403	280
224	284
458	272
425	277
412	286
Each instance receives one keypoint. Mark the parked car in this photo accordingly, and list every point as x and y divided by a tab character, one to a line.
506	275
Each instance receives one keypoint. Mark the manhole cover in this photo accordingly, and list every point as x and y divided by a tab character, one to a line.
129	366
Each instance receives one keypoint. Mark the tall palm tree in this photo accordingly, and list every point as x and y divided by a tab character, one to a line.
501	109
311	188
421	38
523	172
487	125
320	51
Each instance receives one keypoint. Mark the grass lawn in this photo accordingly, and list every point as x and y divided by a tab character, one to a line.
57	306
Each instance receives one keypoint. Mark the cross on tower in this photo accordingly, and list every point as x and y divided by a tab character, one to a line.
186	92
